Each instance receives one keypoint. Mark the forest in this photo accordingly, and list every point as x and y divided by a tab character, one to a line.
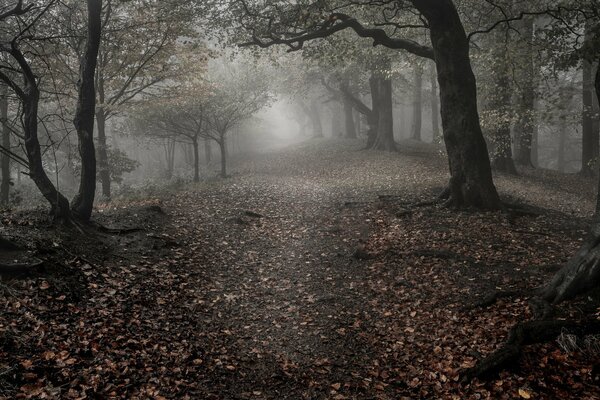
300	199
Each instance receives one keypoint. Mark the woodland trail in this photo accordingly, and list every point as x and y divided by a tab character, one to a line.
310	274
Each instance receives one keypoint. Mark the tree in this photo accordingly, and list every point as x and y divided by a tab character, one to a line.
83	202
590	121
471	181
417	101
239	93
526	94
28	93
6	181
21	22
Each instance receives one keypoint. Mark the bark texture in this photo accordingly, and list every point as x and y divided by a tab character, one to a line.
589	122
383	138
102	152
500	107
83	202
417	118
471	181
525	125
435	106
5	185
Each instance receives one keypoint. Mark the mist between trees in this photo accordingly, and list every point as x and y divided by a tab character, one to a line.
108	100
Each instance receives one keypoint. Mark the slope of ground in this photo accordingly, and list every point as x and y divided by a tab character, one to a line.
310	274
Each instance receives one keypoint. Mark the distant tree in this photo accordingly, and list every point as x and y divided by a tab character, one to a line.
139	39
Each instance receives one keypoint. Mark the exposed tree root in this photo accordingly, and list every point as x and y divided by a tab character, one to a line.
20	269
527	333
491	298
114	231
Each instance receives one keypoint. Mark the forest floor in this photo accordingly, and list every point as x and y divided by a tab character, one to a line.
311	273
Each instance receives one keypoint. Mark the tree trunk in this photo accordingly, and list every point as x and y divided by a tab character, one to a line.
207	151
579	275
196	159
500	106
223	148
59	203
349	120
435	107
5	185
525	125
385	125
315	116
102	151
169	147
84	116
590	139
471	181
561	164
417	118
582	272
373	116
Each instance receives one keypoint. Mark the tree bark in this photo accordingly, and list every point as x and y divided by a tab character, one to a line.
373	116
169	148
582	272
525	125
385	118
471	181
223	148
590	139
562	144
5	185
59	203
417	118
500	106
349	120
207	151
84	116
196	159
435	106
102	151
579	275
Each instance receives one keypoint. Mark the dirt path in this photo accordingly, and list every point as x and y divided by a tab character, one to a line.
258	292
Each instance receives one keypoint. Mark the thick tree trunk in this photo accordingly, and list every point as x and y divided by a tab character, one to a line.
102	151
196	159
590	139
525	125
5	185
223	148
84	116
579	275
582	272
435	106
417	117
385	124
471	181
